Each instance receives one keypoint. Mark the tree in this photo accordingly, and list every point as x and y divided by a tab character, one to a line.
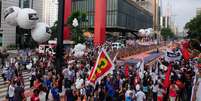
54	30
194	25
194	32
167	33
77	32
194	28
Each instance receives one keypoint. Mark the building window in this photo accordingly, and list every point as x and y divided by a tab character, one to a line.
26	4
0	11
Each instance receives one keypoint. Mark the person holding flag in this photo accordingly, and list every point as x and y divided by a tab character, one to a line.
103	66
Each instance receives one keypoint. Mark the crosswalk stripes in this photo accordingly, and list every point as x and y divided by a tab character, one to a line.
4	86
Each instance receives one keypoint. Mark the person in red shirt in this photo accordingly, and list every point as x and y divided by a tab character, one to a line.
35	96
173	91
37	83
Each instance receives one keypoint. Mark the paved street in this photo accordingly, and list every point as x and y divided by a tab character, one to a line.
100	50
4	85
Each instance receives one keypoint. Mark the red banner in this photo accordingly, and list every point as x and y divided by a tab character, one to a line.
102	67
126	70
166	82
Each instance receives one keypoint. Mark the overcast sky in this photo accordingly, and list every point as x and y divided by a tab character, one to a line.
182	10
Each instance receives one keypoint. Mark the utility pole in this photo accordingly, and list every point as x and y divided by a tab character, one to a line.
156	17
59	49
154	14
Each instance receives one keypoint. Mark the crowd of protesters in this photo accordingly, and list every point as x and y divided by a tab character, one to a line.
47	84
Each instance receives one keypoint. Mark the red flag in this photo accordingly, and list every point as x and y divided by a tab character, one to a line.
126	71
185	53
102	67
185	44
166	82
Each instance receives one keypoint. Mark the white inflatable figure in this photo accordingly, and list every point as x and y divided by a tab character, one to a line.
41	33
151	31
148	32
142	32
10	15
27	18
79	50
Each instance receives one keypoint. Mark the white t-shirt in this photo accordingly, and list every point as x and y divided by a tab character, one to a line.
128	93
42	96
140	96
11	91
154	88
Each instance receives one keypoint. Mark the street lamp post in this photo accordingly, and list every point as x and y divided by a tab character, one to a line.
59	49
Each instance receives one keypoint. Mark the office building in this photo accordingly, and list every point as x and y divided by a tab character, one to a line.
7	33
165	21
146	4
154	7
50	11
198	11
122	15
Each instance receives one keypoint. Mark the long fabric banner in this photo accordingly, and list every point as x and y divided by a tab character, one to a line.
103	66
166	82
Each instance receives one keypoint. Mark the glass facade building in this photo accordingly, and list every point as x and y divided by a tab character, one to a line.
25	3
122	15
0	11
